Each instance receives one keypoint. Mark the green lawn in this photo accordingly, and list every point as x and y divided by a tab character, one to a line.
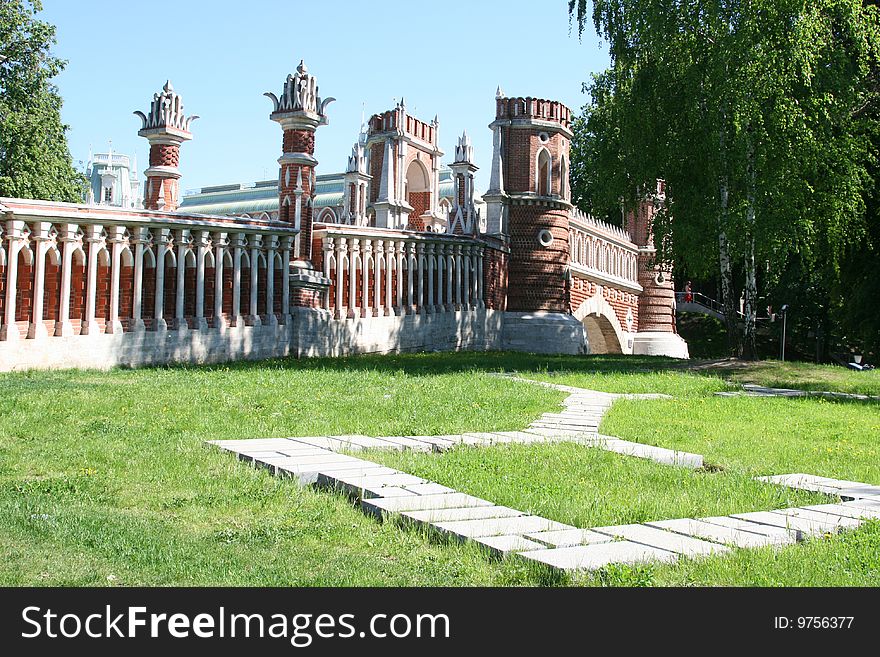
104	478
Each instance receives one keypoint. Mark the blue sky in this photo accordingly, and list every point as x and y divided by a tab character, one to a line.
444	57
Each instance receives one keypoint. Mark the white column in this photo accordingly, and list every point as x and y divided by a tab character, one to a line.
399	309
353	275
365	277
183	242
254	310
450	266
220	243
16	241
117	242
411	273
389	263
285	278
420	279
140	237
431	261
378	254
238	242
40	237
465	278
94	239
481	254
203	242
329	249
163	244
270	280
341	253
67	235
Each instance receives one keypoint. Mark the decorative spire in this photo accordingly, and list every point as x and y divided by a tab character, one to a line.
357	161
300	94
464	150
499	94
166	111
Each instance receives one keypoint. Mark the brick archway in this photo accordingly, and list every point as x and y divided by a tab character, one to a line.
604	332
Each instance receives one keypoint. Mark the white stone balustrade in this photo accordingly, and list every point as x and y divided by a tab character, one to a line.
602	252
378	272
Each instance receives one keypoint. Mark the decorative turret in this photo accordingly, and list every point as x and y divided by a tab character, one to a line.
464	218
299	110
405	159
166	127
354	208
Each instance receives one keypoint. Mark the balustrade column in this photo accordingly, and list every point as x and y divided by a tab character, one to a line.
450	265
366	253
183	243
238	244
254	311
270	280
220	243
378	254
389	261
329	249
341	251
140	238
457	250
69	240
203	242
285	277
420	281
466	278
117	240
410	277
89	325
475	250
352	276
481	255
16	240
40	235
162	247
431	262
398	305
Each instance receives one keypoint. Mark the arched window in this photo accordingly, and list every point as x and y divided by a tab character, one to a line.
542	172
563	177
418	193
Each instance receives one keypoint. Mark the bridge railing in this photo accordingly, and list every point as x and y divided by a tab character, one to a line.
376	271
602	249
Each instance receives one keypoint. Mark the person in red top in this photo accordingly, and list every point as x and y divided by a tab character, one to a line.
688	292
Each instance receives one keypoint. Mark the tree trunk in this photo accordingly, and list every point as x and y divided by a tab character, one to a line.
726	270
750	293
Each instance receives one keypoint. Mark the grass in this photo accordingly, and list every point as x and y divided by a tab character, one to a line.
587	487
805	376
104	478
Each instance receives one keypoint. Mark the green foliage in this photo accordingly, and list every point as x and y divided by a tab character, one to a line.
34	158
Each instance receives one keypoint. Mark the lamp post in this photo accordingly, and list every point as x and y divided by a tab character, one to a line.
784	311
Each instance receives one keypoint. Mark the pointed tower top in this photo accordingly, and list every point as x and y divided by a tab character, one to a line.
302	68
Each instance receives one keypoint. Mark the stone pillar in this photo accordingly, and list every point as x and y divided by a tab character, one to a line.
352	276
450	268
401	249
366	253
140	237
481	254
457	277
411	274
341	252
94	240
163	245
420	279
16	240
220	242
329	249
67	235
378	255
183	243
117	239
253	318
389	264
203	242
40	236
431	262
270	280
238	244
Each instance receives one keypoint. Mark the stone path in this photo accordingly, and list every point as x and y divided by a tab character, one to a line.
752	390
383	491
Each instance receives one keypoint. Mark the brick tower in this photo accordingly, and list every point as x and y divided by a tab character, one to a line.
528	203
656	335
166	128
299	111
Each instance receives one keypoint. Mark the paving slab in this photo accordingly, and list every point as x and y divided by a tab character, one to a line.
502	545
652	453
805	525
409	443
569	537
429	488
499	526
326	457
592	557
754	527
722	534
846	511
663	540
865	503
837	521
423	502
465	513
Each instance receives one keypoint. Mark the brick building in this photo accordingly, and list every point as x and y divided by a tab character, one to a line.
405	256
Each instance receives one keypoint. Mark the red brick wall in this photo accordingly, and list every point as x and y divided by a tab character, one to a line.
621	301
421	203
52	292
24	294
537	273
495	278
